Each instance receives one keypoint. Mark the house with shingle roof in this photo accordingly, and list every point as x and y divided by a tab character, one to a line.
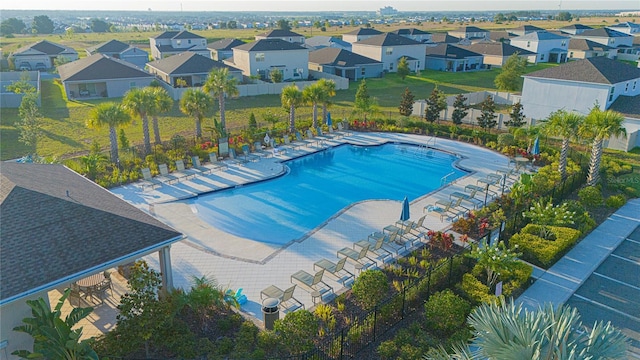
624	48
263	56
41	55
575	29
59	227
189	67
447	57
319	42
223	49
497	53
524	30
344	63
470	32
549	47
360	34
444	38
584	49
286	35
627	28
389	48
119	50
101	76
414	34
501	36
175	42
578	85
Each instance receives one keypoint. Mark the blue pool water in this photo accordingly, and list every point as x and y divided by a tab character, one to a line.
319	185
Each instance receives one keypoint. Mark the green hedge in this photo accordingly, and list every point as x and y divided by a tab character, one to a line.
512	280
539	251
475	290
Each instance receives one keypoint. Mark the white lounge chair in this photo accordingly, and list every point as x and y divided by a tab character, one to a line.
357	258
214	164
335	269
165	176
181	169
195	161
148	180
312	283
287	301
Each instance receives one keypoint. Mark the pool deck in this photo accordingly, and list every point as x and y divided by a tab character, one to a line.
241	263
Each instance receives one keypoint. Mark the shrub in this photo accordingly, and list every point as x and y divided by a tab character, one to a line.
539	251
581	218
297	331
590	196
506	139
446	312
615	201
475	290
370	288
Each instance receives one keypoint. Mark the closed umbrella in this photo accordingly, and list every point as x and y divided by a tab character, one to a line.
267	139
535	150
328	119
404	215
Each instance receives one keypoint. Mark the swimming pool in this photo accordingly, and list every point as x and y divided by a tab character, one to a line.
319	185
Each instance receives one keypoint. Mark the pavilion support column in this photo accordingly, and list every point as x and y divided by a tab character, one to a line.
165	269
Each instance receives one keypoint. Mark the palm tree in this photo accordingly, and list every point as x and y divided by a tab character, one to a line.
507	331
291	98
312	95
196	103
220	84
329	87
598	126
138	103
566	125
112	115
161	103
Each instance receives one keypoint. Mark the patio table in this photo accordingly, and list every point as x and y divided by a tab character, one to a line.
90	284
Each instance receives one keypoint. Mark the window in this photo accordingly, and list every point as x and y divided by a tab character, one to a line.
259	57
611	93
391	67
541	57
563	43
388	51
188	41
626	87
634	85
178	42
132	85
528	43
362	71
571	54
613	41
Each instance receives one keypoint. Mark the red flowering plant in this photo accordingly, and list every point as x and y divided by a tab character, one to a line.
206	145
440	240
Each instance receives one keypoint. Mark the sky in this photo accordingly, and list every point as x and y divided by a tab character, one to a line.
321	5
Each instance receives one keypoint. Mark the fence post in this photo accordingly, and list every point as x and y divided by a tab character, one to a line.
341	343
404	296
450	268
429	282
375	321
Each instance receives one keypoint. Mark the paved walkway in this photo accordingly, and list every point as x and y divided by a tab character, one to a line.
599	276
251	265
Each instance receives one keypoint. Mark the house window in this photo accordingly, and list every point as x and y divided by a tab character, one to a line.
391	67
188	41
178	42
611	93
362	71
132	85
259	57
563	43
528	43
613	41
417	65
541	57
571	54
388	51
634	85
626	87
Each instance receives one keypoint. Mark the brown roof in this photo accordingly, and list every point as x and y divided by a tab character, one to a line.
599	70
100	67
186	63
57	225
339	57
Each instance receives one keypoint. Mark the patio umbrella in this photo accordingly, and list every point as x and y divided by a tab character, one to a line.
267	139
404	215
535	150
328	119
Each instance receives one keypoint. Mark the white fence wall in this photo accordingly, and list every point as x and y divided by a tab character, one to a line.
10	99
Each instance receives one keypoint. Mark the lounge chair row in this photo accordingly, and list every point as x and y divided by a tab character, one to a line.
181	171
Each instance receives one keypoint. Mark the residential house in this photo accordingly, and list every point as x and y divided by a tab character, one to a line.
319	42
444	38
119	50
524	30
447	57
627	28
41	56
360	34
501	36
414	34
223	49
575	29
389	48
175	42
549	47
263	56
286	35
497	53
344	63
470	33
623	43
584	49
101	76
188	69
59	227
578	85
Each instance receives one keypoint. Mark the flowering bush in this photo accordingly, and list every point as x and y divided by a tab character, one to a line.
543	212
206	145
440	240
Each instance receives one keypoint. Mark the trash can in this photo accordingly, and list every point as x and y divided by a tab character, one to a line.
270	312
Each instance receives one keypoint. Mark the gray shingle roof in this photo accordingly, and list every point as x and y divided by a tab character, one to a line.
576	27
527	28
111	46
99	67
279	33
585	44
56	224
599	70
272	44
188	63
167	35
603	33
45	47
540	35
339	57
469	29
184	34
499	49
444	38
388	39
627	105
364	31
411	31
225	44
449	51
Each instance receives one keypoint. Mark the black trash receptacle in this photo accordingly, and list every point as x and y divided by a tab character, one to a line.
270	312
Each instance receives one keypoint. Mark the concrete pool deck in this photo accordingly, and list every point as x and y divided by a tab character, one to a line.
242	263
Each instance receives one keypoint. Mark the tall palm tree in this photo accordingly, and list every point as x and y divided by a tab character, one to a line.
220	84
196	103
291	98
598	126
507	331
312	95
112	115
161	103
564	124
138	103
329	87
